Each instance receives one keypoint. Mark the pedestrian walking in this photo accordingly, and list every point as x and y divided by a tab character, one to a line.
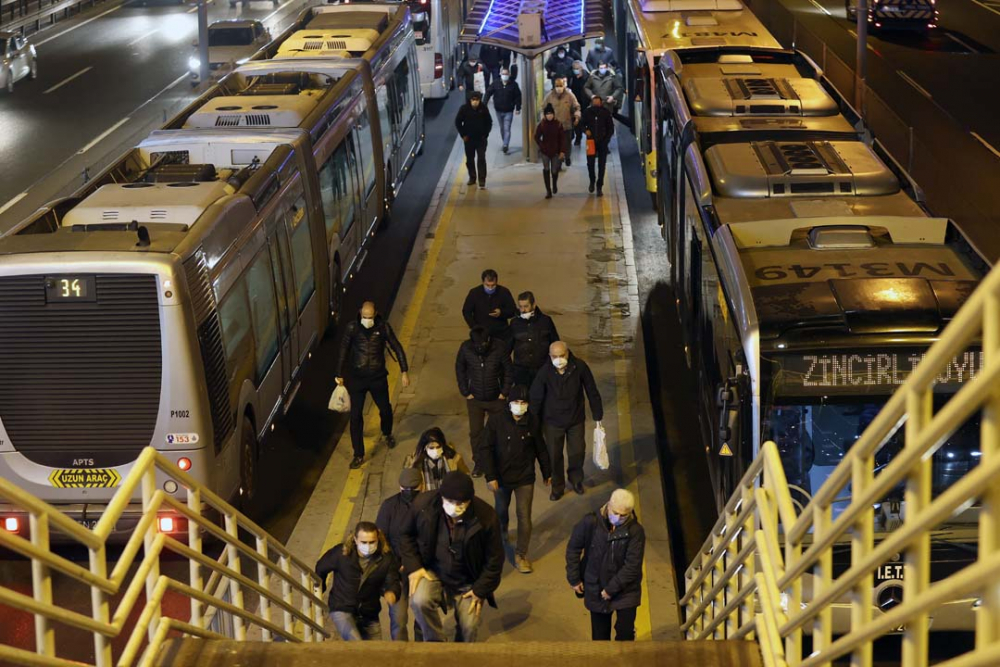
533	332
577	84
567	110
435	458
599	126
552	148
364	569
362	358
391	520
557	395
474	125
506	96
466	76
453	552
560	64
511	444
601	55
607	85
485	376
493	59
490	305
604	566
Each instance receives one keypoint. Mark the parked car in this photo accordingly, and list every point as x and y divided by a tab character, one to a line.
230	42
17	60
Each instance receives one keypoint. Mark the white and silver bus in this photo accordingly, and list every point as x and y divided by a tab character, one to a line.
436	26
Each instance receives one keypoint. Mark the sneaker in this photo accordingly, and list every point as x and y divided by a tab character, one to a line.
357	462
578	487
482	186
523	565
504	149
555	496
591	188
472	181
477	473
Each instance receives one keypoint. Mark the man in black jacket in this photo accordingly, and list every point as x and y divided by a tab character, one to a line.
466	75
474	125
577	83
599	125
557	395
454	556
493	58
490	305
363	569
604	566
484	375
365	341
392	520
509	448
506	96
532	332
560	64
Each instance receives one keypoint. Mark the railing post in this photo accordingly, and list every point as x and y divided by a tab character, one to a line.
747	574
194	568
101	607
307	631
917	566
41	583
734	534
286	591
988	616
235	590
148	490
862	539
822	634
264	579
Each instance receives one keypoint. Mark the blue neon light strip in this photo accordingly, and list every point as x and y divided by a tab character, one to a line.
486	18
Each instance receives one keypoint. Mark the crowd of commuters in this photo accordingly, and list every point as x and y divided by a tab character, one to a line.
437	548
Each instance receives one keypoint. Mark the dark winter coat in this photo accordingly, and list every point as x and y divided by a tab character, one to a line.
600	123
509	449
577	84
551	138
559	397
364	349
485	376
482	548
557	67
466	75
476	124
493	57
597	58
392	518
506	96
532	338
353	592
478	306
606	560
609	85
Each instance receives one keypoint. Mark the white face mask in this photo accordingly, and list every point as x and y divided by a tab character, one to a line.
560	89
367	549
454	510
518	408
435	453
602	70
527	315
616	519
560	362
505	78
367	322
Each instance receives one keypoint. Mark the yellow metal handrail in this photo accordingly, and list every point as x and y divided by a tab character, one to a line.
297	597
748	580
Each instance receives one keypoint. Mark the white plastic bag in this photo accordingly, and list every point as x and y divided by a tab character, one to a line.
600	447
340	400
479	82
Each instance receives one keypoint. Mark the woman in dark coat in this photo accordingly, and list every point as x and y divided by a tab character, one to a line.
551	140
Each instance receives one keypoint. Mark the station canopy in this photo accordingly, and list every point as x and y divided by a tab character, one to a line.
563	21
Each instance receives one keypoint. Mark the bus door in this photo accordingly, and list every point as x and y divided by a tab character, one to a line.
300	251
403	108
285	287
390	142
371	197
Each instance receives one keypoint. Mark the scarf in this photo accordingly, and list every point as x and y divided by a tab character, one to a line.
434	472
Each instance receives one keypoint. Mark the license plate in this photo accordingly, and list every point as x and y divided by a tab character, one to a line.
85	478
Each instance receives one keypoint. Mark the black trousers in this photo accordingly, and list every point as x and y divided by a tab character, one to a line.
379	389
524	375
475	156
600	626
576	452
478	411
602	161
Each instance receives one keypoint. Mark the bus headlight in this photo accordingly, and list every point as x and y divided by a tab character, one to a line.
194	64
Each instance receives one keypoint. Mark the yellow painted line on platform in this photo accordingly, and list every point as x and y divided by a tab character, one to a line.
345	504
643	622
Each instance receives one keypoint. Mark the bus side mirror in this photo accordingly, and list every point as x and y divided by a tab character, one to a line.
728	402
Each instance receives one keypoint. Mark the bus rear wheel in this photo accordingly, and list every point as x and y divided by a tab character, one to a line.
248	462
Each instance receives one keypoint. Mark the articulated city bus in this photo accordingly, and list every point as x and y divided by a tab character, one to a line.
436	25
651	27
809	282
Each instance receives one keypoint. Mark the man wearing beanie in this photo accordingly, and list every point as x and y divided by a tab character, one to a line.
453	554
391	520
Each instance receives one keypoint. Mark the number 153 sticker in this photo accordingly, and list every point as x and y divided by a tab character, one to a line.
182	438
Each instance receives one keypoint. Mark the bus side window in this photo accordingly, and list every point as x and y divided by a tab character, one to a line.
263	311
279	285
345	185
382	95
235	315
302	256
363	133
403	94
337	190
352	181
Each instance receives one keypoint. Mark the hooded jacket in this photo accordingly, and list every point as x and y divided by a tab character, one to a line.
474	123
509	449
566	106
482	548
533	336
559	397
597	58
607	560
365	349
605	86
353	591
561	67
485	376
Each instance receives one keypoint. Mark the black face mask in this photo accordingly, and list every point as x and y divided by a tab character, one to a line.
408	495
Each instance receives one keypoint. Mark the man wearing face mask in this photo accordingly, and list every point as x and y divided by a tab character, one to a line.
567	110
363	568
607	85
599	126
466	75
533	332
577	83
557	395
484	375
391	520
453	553
510	446
604	566
600	55
506	96
474	125
490	305
364	347
560	64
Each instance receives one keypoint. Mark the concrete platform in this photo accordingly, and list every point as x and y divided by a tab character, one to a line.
575	253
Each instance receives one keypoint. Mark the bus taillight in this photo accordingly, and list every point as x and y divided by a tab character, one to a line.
438	66
12	524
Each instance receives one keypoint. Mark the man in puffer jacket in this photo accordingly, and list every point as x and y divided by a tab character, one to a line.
365	342
566	108
485	376
604	566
